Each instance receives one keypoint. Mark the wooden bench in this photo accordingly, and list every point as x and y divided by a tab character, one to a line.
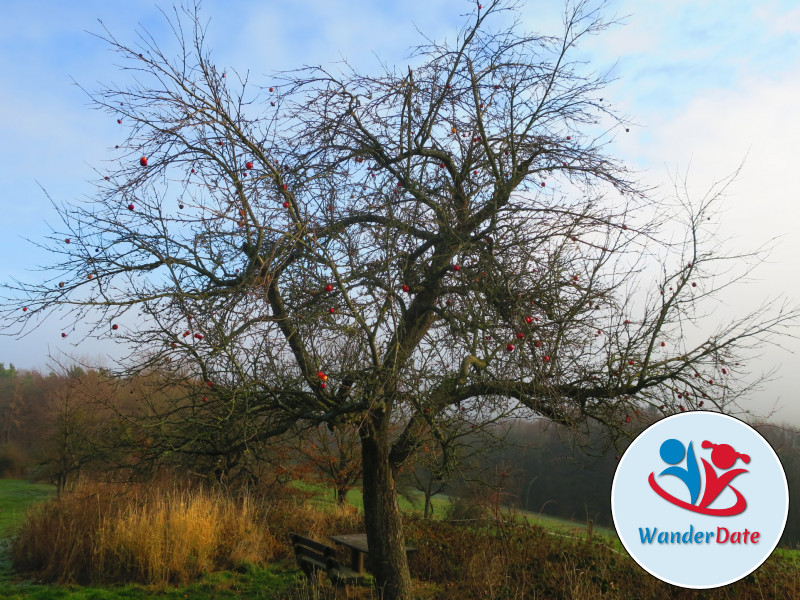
314	557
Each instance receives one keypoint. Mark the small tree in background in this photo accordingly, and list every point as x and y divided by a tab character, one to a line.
333	456
385	249
72	426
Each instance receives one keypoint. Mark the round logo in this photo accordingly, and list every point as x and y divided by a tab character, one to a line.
699	500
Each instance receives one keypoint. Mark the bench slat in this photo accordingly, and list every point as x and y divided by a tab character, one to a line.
313	556
299	540
341	574
310	554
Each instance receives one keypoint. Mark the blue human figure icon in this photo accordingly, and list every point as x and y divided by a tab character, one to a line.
672	452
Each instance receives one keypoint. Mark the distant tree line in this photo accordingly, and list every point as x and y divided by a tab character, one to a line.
562	475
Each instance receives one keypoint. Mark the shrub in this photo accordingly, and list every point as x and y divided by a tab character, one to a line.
12	461
464	509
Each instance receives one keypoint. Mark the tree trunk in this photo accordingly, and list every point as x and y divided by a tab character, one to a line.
341	496
384	522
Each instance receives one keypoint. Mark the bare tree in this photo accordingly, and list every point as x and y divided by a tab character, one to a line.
333	456
380	249
71	426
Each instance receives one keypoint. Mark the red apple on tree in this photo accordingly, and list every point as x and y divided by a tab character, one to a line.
115	327
510	348
143	161
329	288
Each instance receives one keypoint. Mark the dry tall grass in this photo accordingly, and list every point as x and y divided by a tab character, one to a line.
104	533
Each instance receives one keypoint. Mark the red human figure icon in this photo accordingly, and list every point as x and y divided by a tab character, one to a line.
724	457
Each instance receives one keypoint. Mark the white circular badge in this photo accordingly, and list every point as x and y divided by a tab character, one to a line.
699	500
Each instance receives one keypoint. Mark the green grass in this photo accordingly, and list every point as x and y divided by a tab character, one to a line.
324	498
271	583
15	498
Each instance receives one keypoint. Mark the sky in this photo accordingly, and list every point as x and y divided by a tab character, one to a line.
709	91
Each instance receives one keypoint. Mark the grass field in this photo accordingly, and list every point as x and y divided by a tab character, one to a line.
557	526
15	497
270	583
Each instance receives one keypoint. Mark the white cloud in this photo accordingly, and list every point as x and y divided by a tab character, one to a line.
779	22
711	136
